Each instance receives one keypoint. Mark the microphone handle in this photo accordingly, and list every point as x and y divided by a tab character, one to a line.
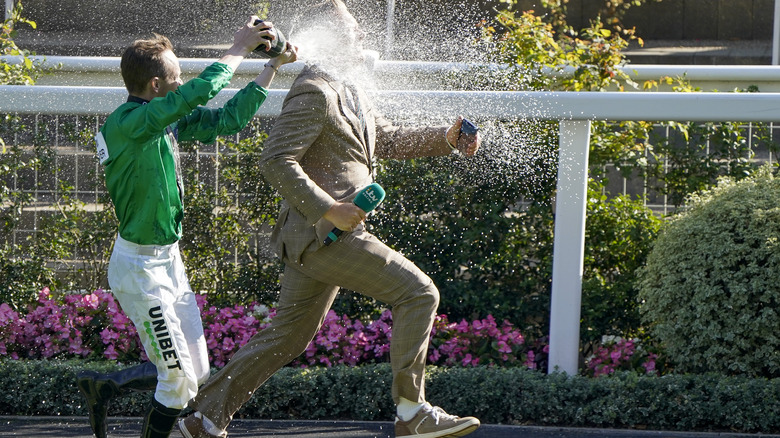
333	236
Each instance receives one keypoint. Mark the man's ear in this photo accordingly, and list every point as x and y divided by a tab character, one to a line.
154	83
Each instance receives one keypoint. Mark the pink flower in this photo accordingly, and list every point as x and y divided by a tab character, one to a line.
111	353
93	324
529	361
91	301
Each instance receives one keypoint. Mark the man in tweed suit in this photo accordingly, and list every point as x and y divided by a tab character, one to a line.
319	155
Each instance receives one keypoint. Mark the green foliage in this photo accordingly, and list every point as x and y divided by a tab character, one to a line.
75	232
701	153
482	228
26	72
70	231
21	278
24	272
494	395
710	291
454	229
357	393
222	218
610	12
484	233
49	388
212	235
21	275
490	255
531	45
676	159
619	235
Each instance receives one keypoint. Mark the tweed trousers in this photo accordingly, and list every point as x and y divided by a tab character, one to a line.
357	261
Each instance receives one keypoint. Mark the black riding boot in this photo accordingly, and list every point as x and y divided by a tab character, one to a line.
99	389
159	420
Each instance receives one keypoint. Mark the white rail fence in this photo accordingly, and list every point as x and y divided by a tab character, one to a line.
104	71
575	111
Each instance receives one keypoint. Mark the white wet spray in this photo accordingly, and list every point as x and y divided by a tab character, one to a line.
520	152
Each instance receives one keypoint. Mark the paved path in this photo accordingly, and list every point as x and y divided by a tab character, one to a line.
77	427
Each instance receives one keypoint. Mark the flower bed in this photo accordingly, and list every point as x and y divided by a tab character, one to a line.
93	326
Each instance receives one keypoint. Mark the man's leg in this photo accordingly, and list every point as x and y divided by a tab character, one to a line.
360	262
145	282
303	304
159	420
186	308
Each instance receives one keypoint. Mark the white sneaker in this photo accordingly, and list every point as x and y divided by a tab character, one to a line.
433	422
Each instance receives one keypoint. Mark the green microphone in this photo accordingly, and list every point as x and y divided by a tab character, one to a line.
367	199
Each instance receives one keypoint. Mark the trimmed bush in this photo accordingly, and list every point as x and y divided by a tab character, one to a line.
710	288
495	395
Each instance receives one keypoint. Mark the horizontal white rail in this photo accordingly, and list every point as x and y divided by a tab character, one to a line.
660	106
759	73
88	71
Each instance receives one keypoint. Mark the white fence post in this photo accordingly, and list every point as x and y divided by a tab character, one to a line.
776	35
390	27
9	7
569	246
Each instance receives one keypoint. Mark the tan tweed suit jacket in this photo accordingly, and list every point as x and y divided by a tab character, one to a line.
316	155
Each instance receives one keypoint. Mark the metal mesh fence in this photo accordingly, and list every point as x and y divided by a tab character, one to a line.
70	167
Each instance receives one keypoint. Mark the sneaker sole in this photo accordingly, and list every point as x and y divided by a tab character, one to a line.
455	432
464	432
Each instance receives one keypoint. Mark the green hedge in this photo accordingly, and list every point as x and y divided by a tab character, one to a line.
495	395
709	290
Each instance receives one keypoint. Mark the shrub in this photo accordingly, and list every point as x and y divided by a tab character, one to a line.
26	72
224	218
494	395
619	233
487	256
710	290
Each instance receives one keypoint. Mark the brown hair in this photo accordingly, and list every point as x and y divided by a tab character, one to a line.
143	60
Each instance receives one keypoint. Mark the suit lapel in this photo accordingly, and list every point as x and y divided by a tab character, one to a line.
348	108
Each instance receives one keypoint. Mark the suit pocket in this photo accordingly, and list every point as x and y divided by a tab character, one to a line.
321	228
277	240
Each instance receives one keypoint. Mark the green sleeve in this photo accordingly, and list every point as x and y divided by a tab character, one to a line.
151	119
205	124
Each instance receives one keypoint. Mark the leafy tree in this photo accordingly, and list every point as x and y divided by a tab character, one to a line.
27	71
